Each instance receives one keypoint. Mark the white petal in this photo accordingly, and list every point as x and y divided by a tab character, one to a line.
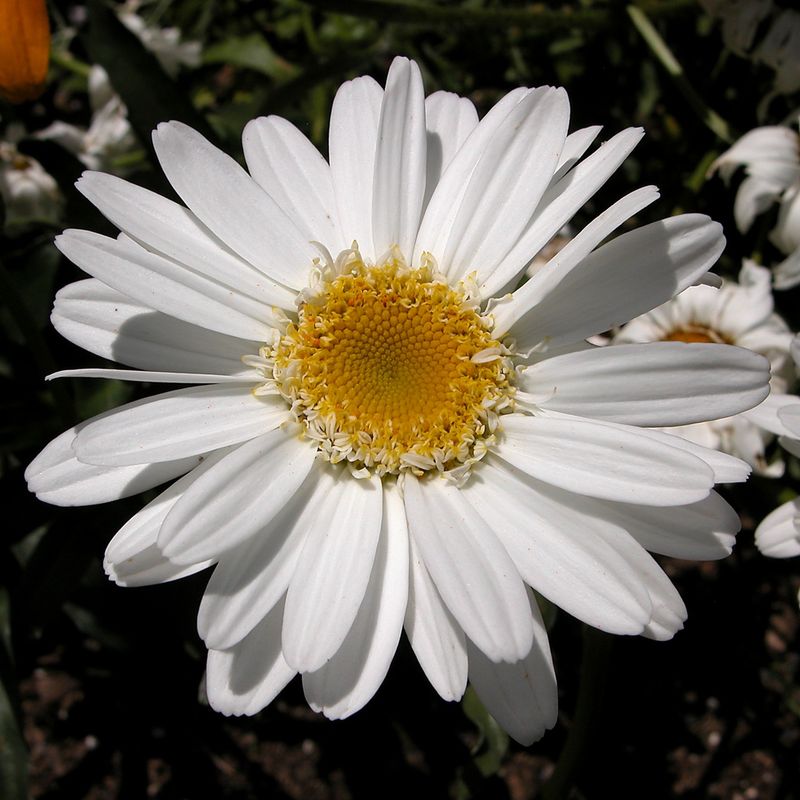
620	280
570	555
669	611
232	205
778	535
400	161
575	145
249	676
133	557
293	172
165	227
436	638
236	499
352	139
180	423
700	531
441	211
349	680
592	459
786	275
521	696
725	468
561	201
56	476
111	325
754	196
789	416
165	285
332	574
769	414
249	580
449	120
654	384
473	573
507	184
155	377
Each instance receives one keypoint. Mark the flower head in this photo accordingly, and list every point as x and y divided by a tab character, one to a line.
376	443
741	314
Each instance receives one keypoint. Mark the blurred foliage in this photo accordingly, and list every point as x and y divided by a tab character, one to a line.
130	660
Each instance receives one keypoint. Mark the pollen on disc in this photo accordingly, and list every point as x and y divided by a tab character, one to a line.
380	365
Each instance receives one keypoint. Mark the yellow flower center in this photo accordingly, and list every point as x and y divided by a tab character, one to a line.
696	334
392	369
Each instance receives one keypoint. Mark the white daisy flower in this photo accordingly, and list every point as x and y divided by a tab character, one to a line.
164	43
29	191
740	314
771	158
109	137
375	444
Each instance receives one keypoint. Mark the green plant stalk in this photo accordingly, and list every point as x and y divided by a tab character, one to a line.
591	695
661	51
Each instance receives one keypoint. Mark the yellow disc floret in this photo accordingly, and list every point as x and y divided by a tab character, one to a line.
391	369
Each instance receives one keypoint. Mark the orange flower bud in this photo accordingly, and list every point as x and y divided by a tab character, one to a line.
24	49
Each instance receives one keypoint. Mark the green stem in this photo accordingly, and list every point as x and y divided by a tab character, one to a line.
591	694
67	61
537	19
661	51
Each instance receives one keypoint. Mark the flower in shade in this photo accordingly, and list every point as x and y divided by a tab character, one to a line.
29	191
778	535
374	443
109	140
741	314
771	160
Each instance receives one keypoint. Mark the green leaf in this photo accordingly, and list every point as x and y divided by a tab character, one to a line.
492	745
251	52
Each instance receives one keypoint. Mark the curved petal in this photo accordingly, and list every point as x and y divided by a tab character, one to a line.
353	137
332	574
562	200
232	205
400	161
445	202
133	557
155	377
249	676
506	186
473	573
177	424
699	532
593	459
237	498
436	638
521	696
653	384
561	548
638	271
56	476
349	680
169	229
249	580
293	172
111	325
778	535
166	286
449	120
